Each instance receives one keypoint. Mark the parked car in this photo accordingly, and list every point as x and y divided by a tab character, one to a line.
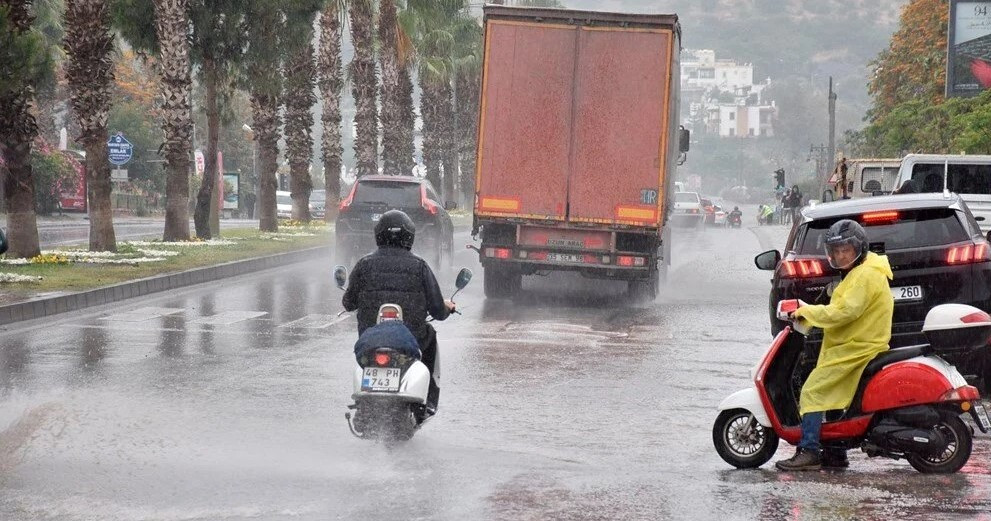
373	195
687	209
318	204
283	205
935	247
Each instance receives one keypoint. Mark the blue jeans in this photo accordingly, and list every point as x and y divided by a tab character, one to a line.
811	429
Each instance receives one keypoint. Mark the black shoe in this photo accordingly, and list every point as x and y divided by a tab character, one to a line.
834	460
802	460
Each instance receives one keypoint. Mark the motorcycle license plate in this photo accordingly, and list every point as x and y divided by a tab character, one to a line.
565	257
376	217
380	379
906	293
982	416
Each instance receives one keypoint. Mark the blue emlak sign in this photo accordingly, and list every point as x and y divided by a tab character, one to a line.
120	150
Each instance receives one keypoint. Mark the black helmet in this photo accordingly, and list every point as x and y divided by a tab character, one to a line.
395	228
845	232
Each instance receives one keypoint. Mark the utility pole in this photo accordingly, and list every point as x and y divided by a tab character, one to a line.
831	158
816	153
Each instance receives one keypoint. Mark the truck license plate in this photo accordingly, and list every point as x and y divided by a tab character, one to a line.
380	379
565	257
905	293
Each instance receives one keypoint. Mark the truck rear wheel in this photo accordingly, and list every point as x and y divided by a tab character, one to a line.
643	290
501	282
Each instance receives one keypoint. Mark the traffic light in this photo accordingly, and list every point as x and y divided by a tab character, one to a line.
779	176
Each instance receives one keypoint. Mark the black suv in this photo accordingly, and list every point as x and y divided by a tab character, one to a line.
373	195
934	245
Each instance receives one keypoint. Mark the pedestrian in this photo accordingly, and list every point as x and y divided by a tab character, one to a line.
785	208
795	201
249	204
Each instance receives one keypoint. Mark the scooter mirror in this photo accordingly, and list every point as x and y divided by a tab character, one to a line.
768	260
3	243
464	277
340	276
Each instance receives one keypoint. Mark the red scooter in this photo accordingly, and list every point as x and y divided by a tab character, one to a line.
908	403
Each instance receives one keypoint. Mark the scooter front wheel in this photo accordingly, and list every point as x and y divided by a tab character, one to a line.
741	440
956	453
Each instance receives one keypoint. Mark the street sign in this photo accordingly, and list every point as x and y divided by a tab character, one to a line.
118	174
121	150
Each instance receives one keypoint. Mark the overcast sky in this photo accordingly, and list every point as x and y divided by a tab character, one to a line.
647	6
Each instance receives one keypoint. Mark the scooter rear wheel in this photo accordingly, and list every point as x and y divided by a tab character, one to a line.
742	449
957	451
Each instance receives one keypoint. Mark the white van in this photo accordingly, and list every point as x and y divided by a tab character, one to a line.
969	176
283	205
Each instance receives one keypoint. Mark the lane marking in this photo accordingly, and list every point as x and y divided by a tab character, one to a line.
143	314
316	321
229	317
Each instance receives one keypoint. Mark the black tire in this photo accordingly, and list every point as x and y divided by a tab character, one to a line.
957	451
756	450
501	282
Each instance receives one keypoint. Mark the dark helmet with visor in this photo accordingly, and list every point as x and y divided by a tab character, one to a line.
843	233
395	228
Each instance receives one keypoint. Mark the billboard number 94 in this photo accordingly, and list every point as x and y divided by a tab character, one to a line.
981	10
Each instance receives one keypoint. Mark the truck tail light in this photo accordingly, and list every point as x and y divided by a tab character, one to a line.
427	204
630	262
498	253
802	268
968	253
349	199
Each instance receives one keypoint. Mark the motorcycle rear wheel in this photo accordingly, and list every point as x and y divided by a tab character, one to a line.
957	451
743	451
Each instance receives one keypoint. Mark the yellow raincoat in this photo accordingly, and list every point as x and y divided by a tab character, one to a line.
856	327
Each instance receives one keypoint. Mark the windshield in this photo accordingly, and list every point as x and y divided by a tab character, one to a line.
283	199
388	193
963	179
913	229
878	179
686	197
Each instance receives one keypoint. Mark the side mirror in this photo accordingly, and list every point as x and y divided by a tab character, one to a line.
450	205
989	236
3	243
464	277
768	260
684	139
340	276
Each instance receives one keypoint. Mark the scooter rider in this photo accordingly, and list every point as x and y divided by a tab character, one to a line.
856	327
393	274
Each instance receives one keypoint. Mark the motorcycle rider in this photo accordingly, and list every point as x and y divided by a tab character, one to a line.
736	214
393	274
856	327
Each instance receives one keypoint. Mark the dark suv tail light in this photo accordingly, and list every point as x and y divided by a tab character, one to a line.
968	253
427	204
350	198
802	268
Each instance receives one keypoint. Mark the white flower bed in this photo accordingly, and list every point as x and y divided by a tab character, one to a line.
15	262
285	235
13	277
181	244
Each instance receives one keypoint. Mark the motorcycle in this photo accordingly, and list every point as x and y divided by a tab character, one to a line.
908	403
391	384
734	220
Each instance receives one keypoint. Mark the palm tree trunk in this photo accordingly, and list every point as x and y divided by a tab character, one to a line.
265	109
430	110
392	116
408	122
17	131
331	84
201	215
172	27
467	113
364	84
449	145
299	121
90	76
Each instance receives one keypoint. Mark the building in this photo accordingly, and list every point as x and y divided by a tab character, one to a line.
719	97
730	120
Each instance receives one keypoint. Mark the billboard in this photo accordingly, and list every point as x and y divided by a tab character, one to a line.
231	191
968	70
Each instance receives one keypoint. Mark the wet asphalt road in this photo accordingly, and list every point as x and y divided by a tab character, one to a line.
226	402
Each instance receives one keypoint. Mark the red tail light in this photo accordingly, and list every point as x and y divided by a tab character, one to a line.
498	253
427	204
968	253
879	217
350	198
630	261
967	392
802	268
382	359
390	313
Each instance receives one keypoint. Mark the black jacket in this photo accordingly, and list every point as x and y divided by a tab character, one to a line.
394	275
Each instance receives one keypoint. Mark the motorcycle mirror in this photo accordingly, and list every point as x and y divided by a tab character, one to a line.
768	260
340	276
464	277
3	243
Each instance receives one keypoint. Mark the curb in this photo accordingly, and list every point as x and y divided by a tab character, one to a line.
44	307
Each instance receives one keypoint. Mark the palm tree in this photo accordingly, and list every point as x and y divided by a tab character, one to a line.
300	71
90	76
331	83
172	30
24	62
407	62
467	88
264	82
364	84
392	115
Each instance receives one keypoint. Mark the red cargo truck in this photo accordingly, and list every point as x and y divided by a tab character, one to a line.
578	142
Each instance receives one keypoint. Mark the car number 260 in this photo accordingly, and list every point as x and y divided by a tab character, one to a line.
907	293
